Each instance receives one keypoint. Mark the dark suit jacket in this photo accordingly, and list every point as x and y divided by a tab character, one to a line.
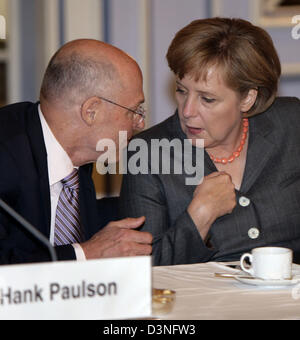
24	185
271	182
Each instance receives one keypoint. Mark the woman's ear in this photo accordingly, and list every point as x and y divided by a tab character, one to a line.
89	110
249	100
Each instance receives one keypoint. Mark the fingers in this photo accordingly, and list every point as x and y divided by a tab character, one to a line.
136	236
134	249
132	235
218	174
119	239
215	174
128	223
213	198
117	242
213	180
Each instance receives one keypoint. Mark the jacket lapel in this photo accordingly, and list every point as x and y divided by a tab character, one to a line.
260	150
36	140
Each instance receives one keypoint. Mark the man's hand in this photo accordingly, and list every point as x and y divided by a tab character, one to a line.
119	239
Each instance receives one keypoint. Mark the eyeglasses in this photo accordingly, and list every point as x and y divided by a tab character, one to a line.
138	115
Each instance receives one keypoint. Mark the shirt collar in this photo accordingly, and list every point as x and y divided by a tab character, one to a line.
59	163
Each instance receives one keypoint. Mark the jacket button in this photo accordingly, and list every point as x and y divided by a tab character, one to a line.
244	201
253	233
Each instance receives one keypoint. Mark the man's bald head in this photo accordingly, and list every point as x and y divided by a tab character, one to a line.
84	68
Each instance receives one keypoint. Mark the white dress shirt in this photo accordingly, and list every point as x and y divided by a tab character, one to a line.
59	167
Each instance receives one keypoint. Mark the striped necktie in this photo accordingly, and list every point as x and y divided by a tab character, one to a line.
67	220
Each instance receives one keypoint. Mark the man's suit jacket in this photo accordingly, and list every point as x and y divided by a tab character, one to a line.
270	187
24	185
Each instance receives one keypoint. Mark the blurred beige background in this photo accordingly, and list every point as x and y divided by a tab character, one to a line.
143	28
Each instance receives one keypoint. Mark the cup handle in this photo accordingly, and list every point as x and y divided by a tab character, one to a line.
243	258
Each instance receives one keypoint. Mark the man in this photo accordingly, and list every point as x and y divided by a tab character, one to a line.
46	150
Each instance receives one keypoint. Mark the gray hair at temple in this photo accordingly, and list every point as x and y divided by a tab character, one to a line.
72	78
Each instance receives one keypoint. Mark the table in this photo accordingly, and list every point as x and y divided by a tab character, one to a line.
201	296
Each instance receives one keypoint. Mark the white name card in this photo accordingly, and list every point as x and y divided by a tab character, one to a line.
91	290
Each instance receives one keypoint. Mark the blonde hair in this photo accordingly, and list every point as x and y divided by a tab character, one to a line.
245	53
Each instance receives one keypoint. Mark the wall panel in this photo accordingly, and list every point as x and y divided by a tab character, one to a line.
167	17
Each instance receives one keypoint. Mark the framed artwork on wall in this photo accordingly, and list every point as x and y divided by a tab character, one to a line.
284	15
275	13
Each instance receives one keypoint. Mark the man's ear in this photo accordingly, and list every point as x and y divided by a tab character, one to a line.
90	109
249	100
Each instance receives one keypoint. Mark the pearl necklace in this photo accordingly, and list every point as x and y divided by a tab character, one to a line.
237	153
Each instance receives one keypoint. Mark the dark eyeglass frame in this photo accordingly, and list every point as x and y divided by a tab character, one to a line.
141	111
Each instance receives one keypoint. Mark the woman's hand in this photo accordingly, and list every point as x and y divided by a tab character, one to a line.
213	198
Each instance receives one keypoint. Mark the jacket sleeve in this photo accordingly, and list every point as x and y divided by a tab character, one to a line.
177	242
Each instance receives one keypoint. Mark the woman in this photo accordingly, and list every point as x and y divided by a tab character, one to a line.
227	73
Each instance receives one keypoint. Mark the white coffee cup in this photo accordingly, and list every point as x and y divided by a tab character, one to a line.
269	263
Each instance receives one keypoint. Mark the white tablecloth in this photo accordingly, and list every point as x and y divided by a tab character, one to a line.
200	295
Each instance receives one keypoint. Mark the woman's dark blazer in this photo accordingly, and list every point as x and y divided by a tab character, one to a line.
270	188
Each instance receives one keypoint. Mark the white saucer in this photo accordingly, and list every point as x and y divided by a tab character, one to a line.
267	283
